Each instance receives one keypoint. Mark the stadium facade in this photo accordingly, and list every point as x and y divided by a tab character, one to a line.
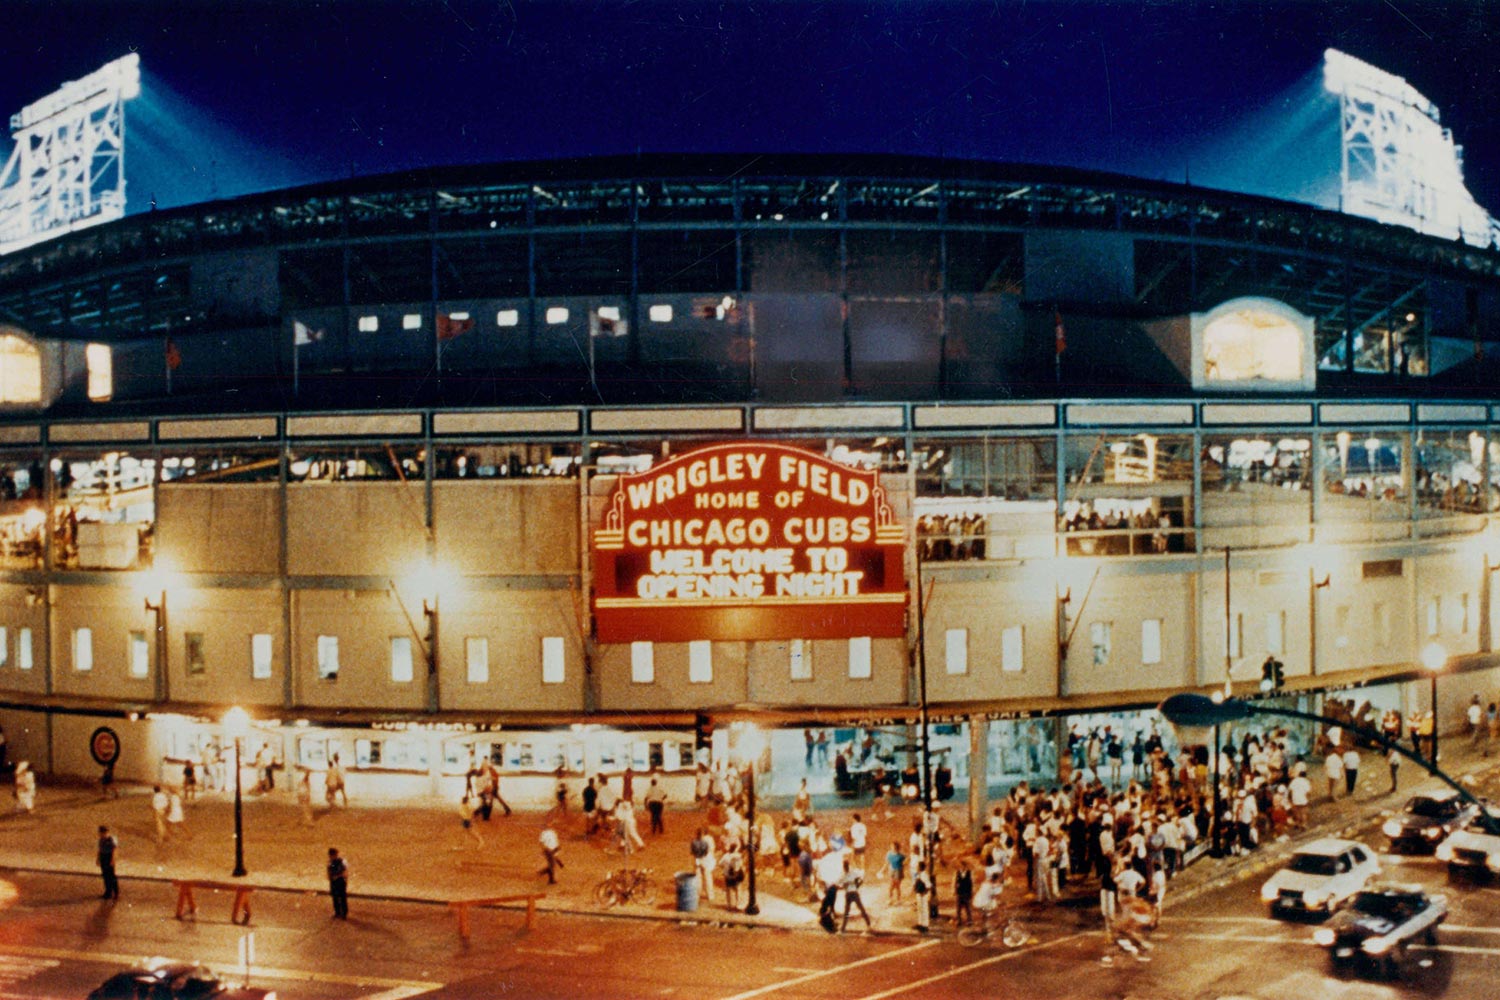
587	464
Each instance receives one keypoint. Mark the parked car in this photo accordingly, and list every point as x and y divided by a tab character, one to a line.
1426	819
1474	850
1379	922
1320	877
161	980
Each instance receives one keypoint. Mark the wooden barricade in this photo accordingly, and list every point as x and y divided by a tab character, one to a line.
461	908
239	912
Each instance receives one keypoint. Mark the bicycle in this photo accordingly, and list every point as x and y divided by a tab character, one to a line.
1009	928
626	885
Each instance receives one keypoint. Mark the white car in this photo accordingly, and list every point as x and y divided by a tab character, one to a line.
1320	877
1473	850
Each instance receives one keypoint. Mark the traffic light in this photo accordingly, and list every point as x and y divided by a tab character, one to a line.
1271	675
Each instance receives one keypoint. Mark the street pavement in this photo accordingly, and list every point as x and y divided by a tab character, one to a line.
419	852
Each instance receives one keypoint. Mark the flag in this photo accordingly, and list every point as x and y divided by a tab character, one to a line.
1062	334
174	356
302	334
450	327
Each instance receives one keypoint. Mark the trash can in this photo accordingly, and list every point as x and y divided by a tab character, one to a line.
687	892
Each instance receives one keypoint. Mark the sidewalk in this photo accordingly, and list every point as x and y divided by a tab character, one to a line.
421	853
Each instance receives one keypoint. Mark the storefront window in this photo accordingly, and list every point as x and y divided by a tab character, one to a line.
511	460
362	462
205	464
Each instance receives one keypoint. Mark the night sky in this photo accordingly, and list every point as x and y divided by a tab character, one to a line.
243	96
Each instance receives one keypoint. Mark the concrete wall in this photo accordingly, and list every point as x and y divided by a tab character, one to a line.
225	528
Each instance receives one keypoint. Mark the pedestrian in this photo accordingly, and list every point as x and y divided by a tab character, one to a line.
304	795
333	786
734	874
107	789
160	805
627	783
895	866
338	884
1108	895
921	888
466	816
189	781
561	794
854	877
25	787
830	876
1333	767
107	846
630	834
858	836
551	848
1474	717
1299	791
590	798
802	803
963	895
1351	769
495	785
1393	760
174	814
702	850
656	805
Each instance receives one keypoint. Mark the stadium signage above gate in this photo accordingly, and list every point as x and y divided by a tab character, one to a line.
752	540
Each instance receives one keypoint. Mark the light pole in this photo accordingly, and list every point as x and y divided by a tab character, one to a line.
926	747
236	724
752	839
1434	658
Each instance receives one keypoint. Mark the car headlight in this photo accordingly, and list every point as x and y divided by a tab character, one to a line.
1493	862
1392	828
1376	946
1315	900
1268	893
1445	852
1324	936
1432	832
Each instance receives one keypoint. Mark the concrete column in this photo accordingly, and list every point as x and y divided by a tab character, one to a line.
979	774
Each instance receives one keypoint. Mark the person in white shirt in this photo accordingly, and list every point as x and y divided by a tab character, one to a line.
858	833
1299	789
1351	769
1126	928
1333	766
550	846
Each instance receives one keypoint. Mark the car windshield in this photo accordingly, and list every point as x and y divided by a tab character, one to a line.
1387	905
1314	864
1432	808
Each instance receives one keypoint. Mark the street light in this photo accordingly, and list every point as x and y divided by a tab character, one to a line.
750	749
1434	658
237	725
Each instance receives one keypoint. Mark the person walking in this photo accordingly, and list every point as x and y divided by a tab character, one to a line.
333	787
858	836
895	865
189	781
1351	769
656	805
854	877
1393	760
107	847
466	817
551	847
175	815
1333	767
338	883
304	795
160	805
25	788
963	895
921	888
702	849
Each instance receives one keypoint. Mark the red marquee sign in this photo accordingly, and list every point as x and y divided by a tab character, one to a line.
748	541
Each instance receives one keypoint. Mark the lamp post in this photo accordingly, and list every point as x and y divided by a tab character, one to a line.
1434	658
236	724
752	840
926	746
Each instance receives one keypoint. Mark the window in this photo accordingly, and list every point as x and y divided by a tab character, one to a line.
1099	639
859	657
557	315
1237	636
1380	568
20	371
1150	641
508	317
23	649
369	324
1434	616
1256	342
83	650
642	663
99	361
553	659
1012	649
458	317
411	321
401	668
1276	633
956	650
700	662
193	654
328	657
799	652
260	656
477	657
660	313
140	655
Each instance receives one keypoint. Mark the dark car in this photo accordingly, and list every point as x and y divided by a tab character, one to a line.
1426	820
1380	922
174	981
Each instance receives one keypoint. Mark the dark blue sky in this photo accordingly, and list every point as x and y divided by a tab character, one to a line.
248	95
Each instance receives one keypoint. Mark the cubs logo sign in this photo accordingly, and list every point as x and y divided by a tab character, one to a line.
748	541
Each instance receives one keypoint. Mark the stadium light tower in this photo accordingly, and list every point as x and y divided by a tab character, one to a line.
67	169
